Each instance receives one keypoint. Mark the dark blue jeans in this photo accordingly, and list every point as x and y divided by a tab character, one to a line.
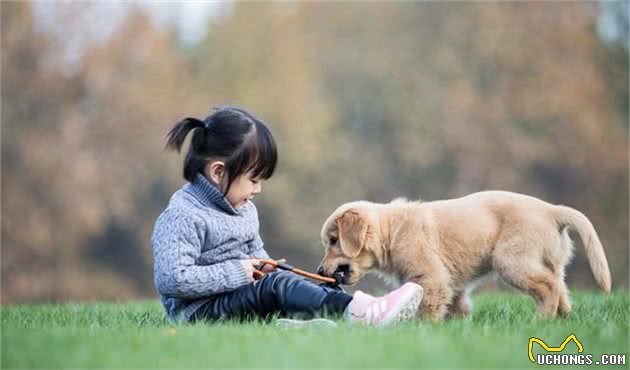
278	293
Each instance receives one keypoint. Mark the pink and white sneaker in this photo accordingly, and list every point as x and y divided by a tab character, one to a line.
401	304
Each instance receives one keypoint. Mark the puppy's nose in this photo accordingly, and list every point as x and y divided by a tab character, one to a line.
320	271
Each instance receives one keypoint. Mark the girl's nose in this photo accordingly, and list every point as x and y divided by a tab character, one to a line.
257	188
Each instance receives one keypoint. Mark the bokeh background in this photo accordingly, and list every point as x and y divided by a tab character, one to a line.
367	101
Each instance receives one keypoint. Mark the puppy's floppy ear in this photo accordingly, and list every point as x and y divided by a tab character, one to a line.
353	229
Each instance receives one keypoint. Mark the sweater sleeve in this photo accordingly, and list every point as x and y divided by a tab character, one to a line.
256	245
257	249
176	248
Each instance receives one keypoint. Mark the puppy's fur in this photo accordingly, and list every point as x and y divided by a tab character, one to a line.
445	246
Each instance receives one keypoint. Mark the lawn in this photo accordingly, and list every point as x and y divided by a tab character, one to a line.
134	335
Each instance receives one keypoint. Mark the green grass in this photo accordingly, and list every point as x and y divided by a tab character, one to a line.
137	335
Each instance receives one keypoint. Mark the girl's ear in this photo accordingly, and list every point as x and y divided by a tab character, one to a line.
216	171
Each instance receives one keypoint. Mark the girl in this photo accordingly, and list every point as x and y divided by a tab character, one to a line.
206	244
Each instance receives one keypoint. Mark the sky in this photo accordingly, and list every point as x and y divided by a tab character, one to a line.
190	17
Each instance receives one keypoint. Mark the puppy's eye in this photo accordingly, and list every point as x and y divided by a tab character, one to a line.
333	240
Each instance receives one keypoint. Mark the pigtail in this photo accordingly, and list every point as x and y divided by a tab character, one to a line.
177	135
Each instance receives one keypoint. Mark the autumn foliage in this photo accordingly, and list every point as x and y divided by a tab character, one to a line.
367	101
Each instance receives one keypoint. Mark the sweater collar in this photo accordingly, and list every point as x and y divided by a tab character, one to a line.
209	195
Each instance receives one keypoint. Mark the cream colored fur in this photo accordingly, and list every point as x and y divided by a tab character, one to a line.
447	245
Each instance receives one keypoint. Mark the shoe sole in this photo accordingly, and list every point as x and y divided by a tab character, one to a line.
292	323
407	310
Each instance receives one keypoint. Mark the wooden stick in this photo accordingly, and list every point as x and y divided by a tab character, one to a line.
285	266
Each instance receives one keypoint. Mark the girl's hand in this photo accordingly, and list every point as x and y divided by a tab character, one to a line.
268	268
250	266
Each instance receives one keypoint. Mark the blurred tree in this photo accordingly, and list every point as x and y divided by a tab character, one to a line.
367	101
33	96
83	188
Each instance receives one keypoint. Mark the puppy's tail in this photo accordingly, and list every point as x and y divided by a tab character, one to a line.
574	219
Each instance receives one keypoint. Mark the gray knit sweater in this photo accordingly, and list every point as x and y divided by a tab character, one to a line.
198	242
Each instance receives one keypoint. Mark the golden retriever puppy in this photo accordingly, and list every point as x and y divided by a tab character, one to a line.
445	246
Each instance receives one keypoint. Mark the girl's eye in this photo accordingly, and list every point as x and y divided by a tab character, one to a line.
333	240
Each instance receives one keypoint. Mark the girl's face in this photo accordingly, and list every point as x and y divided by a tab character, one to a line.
243	188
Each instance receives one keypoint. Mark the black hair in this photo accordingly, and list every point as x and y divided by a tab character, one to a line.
230	134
